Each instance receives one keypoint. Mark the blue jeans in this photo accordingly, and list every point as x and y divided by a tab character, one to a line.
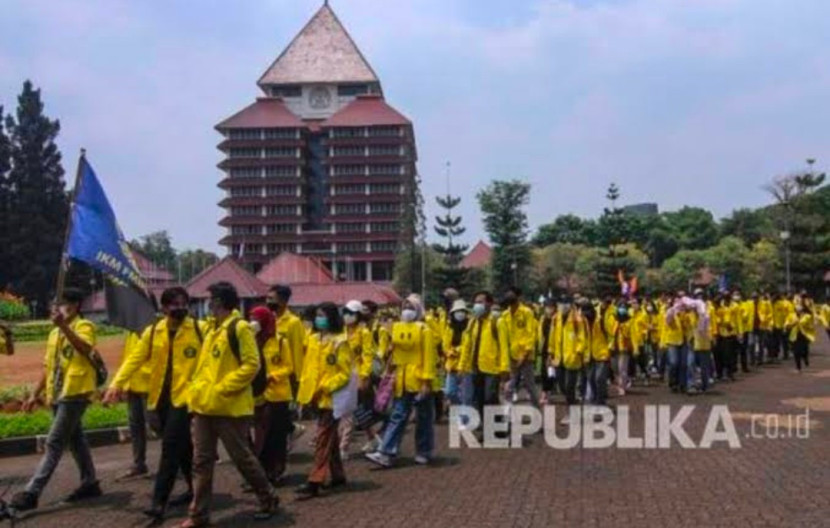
396	427
690	367
677	366
453	387
703	358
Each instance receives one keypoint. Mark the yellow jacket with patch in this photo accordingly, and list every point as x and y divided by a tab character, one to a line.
363	349
291	328
75	371
279	365
327	369
140	380
521	332
569	343
493	355
152	353
765	315
221	385
413	356
782	309
804	324
599	340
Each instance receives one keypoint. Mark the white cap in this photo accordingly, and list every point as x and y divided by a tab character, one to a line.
354	306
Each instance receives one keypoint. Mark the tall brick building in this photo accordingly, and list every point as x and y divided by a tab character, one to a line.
320	165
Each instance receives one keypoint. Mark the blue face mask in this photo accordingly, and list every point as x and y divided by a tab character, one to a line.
321	323
479	309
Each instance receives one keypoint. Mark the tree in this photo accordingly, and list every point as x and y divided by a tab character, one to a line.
412	235
5	204
38	204
683	268
750	225
502	205
190	263
555	268
763	267
694	228
566	229
593	267
449	227
728	259
158	248
407	273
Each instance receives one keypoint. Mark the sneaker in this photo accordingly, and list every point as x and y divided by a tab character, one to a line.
692	391
421	460
266	511
515	397
87	491
307	491
133	472
23	501
371	446
379	458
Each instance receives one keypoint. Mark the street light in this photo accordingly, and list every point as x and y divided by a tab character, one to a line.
785	237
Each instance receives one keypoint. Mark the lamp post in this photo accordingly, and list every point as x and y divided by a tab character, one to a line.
785	237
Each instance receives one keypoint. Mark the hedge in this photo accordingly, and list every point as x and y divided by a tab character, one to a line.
39	331
96	417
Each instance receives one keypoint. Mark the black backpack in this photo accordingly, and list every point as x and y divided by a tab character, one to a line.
260	381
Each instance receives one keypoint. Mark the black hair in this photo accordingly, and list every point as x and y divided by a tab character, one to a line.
72	296
371	306
333	315
170	295
226	293
283	291
515	290
309	313
487	296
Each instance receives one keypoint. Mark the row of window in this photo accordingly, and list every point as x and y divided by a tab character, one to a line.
270	190
251	134
359	208
376	150
281	171
374	188
316	247
375	131
343	90
367	170
274	152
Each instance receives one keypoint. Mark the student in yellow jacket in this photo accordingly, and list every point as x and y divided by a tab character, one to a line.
69	383
726	355
599	343
136	394
520	324
327	369
764	319
413	361
222	404
569	349
782	309
675	332
289	326
802	333
485	357
453	345
169	350
360	343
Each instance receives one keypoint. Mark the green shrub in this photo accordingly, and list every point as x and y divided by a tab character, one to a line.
96	417
14	393
12	308
39	331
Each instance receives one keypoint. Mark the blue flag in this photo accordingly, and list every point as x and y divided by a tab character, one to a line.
96	238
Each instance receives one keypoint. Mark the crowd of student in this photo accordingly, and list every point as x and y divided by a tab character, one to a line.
247	381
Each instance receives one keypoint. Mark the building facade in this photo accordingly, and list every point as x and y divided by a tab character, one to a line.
321	165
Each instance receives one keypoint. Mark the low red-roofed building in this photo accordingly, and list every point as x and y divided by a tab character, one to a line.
288	268
342	292
250	289
479	257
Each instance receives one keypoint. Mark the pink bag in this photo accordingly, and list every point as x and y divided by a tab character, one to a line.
384	393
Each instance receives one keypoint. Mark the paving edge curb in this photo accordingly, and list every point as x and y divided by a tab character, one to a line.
30	445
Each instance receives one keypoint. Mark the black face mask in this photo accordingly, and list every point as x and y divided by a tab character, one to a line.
178	314
273	306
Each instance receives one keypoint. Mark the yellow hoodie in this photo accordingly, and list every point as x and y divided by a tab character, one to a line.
326	369
570	343
493	356
521	332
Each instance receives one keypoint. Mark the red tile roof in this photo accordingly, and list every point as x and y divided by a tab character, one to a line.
288	268
478	257
342	292
227	270
266	112
367	110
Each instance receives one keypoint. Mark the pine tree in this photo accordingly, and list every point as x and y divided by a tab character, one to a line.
38	203
449	227
613	232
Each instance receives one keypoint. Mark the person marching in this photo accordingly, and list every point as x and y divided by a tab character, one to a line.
272	415
802	332
675	340
360	343
69	383
413	361
327	369
169	350
520	325
569	346
222	402
782	309
453	346
764	318
599	340
136	393
543	341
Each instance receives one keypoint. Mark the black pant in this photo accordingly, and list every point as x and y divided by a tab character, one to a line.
801	351
273	425
569	385
726	360
782	343
742	344
136	411
176	450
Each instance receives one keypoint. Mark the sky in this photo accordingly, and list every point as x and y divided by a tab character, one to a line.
678	102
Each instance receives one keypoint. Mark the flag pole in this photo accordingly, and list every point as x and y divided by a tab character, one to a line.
63	264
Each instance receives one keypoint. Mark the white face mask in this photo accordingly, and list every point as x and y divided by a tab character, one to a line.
496	313
256	327
459	316
407	316
350	319
479	309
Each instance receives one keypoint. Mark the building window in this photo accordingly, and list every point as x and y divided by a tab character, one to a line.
384	188
247	210
352	90
246	172
393	170
246	230
281	152
282	210
384	131
385	150
280	133
351	209
246	191
245	153
351	228
284	171
349	189
384	227
286	91
351	247
349	170
274	249
316	247
253	249
346	132
384	208
281	190
384	246
245	133
382	271
348	151
281	228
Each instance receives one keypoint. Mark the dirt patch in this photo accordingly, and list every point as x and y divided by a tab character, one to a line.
26	365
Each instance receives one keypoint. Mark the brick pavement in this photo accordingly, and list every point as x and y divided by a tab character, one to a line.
765	483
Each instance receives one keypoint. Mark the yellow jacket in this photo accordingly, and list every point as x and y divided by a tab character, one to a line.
452	353
765	317
804	324
675	334
727	321
413	356
702	340
782	309
569	343
75	371
363	350
639	330
327	369
279	365
493	355
291	328
521	332
600	341
824	315
221	385
748	312
140	380
186	347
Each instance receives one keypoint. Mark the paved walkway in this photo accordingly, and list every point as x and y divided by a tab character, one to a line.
765	483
